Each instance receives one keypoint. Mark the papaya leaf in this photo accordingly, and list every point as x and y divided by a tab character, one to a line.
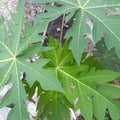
93	18
18	56
53	105
86	88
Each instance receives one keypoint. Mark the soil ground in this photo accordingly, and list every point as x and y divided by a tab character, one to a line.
58	28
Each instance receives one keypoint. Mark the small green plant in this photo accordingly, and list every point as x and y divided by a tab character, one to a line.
65	78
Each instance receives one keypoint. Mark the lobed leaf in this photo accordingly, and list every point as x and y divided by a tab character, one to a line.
105	16
86	88
53	106
15	52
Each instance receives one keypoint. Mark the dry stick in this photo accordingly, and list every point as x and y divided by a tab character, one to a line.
61	34
44	33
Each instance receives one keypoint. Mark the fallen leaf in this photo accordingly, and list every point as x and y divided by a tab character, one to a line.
32	105
72	114
5	89
4	113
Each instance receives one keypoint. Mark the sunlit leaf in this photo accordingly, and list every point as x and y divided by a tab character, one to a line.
86	88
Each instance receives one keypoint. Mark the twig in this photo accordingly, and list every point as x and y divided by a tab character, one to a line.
45	31
61	34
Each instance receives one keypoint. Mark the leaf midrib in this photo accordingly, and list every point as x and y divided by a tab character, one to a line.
18	87
79	87
103	6
22	47
7	48
7	73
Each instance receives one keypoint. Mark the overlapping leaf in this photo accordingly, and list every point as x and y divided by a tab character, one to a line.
104	14
108	58
53	105
86	88
15	54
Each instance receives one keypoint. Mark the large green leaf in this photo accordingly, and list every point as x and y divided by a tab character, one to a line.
86	88
105	16
15	52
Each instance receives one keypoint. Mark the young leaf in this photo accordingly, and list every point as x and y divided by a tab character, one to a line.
53	106
83	85
15	53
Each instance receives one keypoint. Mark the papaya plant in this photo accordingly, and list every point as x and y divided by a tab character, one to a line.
65	79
